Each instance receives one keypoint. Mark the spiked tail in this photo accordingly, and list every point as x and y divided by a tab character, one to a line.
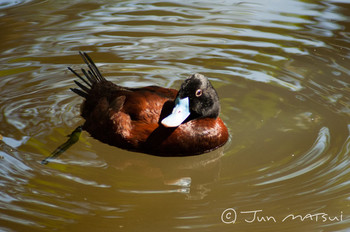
90	77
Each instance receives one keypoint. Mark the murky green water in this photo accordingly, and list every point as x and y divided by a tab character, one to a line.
280	68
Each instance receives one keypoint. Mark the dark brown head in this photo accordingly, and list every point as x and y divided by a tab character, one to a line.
196	98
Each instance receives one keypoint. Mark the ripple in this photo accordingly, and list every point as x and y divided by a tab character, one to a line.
84	182
10	165
12	3
35	115
308	162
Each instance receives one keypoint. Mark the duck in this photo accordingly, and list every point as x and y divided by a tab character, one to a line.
152	120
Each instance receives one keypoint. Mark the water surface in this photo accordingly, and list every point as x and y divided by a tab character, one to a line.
281	71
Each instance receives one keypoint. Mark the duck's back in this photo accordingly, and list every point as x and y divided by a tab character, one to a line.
125	117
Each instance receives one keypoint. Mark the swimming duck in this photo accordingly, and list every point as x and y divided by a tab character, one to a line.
154	120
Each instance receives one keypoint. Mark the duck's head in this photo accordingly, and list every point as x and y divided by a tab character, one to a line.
196	98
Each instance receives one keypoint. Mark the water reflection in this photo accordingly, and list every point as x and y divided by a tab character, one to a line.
280	68
10	3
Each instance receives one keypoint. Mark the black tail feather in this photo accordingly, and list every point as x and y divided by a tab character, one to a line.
83	87
80	77
90	77
79	92
92	67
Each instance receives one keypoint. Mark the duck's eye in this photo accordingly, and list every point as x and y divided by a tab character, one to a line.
198	92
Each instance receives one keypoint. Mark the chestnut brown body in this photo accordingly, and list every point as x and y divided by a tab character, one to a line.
130	118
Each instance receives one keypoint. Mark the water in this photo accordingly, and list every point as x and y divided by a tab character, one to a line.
281	71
